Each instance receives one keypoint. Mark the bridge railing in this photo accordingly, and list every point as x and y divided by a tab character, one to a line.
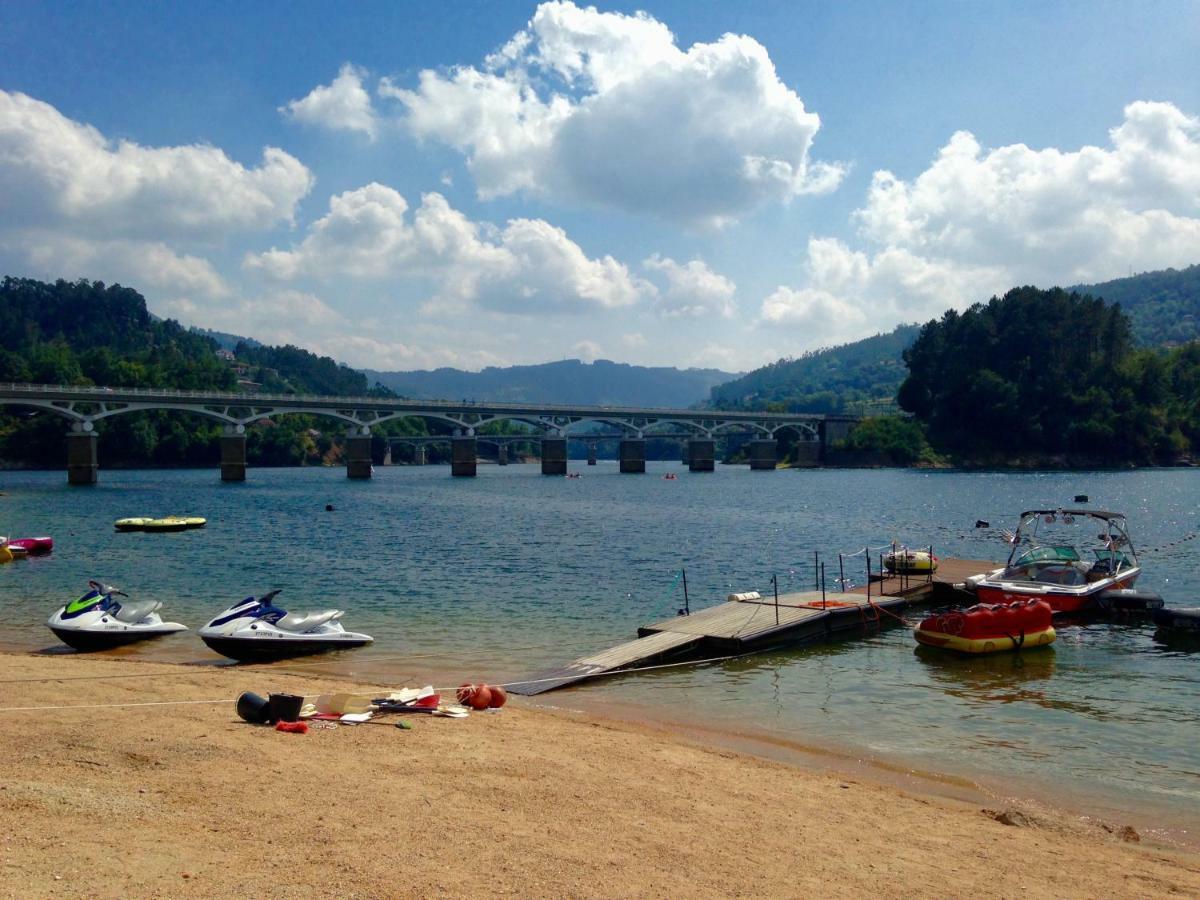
397	403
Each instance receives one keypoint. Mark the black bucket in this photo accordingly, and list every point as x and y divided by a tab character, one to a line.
285	707
253	708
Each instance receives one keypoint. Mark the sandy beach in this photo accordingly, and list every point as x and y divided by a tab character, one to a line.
185	799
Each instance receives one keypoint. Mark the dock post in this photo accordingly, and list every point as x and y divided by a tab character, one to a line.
591	453
502	454
633	455
82	462
764	454
554	456
233	454
702	455
358	453
462	456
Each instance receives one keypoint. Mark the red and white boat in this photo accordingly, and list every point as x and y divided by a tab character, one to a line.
32	545
1045	563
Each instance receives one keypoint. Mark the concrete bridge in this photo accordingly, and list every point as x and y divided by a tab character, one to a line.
555	424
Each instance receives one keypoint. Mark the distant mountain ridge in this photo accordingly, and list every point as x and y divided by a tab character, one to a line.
601	383
1163	306
860	377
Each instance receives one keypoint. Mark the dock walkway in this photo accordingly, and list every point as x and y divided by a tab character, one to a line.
749	622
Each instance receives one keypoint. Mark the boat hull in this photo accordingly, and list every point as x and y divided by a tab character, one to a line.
92	641
266	650
1061	601
1185	621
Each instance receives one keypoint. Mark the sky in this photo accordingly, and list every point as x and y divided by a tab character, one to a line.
408	185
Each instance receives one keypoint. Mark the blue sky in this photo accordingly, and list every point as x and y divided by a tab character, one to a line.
407	185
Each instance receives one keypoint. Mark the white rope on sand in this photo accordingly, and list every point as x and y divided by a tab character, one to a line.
110	705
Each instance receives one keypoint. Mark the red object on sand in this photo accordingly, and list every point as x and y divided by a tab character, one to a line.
499	696
293	727
476	696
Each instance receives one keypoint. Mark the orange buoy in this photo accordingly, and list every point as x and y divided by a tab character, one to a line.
476	696
499	696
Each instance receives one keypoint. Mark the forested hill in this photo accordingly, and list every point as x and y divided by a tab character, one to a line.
602	383
858	377
1164	307
82	332
86	332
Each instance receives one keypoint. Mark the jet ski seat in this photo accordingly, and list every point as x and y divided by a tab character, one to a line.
132	612
307	621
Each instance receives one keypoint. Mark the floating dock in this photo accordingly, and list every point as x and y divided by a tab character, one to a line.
748	622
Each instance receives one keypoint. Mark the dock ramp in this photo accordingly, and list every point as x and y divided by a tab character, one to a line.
644	650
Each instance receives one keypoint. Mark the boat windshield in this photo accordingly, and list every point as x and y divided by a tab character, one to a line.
1059	553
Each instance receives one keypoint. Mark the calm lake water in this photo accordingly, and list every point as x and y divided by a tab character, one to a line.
511	572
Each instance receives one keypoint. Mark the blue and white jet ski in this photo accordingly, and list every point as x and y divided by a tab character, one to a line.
99	621
256	630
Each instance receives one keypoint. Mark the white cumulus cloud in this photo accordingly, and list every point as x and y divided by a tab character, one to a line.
605	109
978	221
691	289
526	266
342	105
56	172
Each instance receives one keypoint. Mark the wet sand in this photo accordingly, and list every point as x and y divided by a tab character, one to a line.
187	800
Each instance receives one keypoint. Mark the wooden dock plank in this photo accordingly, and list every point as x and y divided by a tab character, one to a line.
610	661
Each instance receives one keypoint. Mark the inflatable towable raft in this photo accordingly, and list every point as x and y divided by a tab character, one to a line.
170	523
910	561
990	628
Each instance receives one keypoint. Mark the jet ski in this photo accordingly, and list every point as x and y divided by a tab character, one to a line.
255	630
99	621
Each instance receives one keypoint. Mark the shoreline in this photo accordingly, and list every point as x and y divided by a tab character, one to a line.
531	799
1160	825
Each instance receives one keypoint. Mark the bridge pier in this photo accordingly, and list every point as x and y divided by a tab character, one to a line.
502	454
701	455
358	456
633	455
82	462
592	453
419	455
463	452
387	454
764	454
233	456
554	456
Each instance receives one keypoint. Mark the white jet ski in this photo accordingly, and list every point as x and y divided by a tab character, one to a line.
256	630
99	621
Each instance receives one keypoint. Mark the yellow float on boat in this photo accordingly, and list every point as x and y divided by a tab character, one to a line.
5	555
910	561
195	521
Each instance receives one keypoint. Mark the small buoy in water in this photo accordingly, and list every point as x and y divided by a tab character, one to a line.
979	523
328	507
499	696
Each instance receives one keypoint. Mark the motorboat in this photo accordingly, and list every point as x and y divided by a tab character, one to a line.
990	629
255	630
100	621
1045	565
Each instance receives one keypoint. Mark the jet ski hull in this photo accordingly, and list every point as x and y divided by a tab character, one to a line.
91	641
268	649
